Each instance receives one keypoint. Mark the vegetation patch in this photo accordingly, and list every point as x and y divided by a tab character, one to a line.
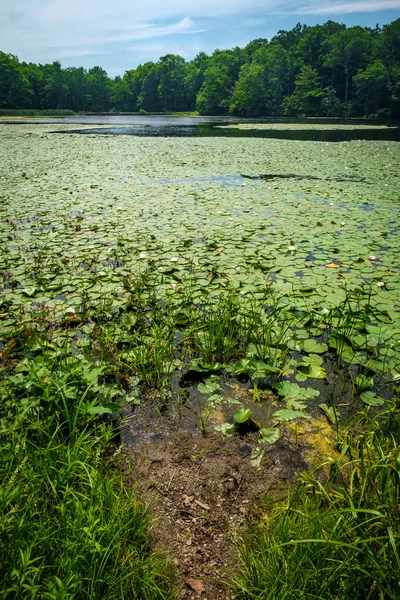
155	294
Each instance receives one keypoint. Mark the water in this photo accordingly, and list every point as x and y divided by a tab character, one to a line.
168	126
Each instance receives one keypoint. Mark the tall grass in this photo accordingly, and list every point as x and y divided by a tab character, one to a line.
336	538
69	526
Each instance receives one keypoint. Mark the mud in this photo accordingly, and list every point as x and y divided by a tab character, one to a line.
203	488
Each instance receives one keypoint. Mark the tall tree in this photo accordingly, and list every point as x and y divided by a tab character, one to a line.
307	96
348	51
171	88
372	87
215	94
15	89
98	90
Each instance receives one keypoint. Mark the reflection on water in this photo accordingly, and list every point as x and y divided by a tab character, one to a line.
165	126
209	130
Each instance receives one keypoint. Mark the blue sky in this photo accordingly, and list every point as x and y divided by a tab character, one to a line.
120	34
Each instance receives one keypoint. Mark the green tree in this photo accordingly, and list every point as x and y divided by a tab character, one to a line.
15	88
215	94
98	90
76	80
347	51
249	97
307	96
194	77
171	88
330	104
372	87
149	77
55	90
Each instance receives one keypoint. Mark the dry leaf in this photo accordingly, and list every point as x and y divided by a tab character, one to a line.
196	585
332	265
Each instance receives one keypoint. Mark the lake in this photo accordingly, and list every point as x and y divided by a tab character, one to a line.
95	226
318	129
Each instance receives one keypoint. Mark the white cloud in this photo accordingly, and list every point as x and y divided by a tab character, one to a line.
338	8
80	52
42	29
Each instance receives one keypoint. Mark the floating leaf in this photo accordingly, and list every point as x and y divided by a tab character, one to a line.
295	404
269	435
288	415
310	366
292	391
313	347
208	387
256	457
224	427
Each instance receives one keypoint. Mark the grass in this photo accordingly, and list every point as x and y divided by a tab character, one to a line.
336	538
70	528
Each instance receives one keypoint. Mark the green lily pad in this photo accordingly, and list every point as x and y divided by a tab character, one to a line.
289	415
242	415
224	428
313	347
269	435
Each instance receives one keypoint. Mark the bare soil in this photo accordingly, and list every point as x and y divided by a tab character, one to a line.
202	489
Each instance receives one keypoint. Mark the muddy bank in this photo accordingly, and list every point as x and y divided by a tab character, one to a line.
204	488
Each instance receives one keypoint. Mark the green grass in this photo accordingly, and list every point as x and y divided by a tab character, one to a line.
337	537
69	525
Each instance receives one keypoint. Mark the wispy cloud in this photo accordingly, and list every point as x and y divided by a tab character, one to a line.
80	52
338	8
41	30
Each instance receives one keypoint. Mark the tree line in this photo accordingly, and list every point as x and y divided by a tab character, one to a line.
321	70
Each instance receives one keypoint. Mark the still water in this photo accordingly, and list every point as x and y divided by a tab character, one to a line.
169	126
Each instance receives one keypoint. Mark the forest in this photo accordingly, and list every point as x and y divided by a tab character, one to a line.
323	70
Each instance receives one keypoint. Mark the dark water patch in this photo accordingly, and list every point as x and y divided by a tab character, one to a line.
205	130
272	176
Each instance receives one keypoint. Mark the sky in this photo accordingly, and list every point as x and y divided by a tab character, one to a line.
120	34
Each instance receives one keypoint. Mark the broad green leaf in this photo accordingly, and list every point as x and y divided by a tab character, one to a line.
311	346
288	415
269	435
208	387
224	427
242	415
371	399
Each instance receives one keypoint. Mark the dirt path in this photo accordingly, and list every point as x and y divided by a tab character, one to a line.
201	490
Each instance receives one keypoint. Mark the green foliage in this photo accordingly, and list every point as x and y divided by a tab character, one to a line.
68	527
307	96
326	70
336	538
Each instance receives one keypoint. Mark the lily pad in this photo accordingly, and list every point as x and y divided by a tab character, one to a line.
289	415
269	435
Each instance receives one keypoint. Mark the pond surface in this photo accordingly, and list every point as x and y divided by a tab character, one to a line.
323	130
305	222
